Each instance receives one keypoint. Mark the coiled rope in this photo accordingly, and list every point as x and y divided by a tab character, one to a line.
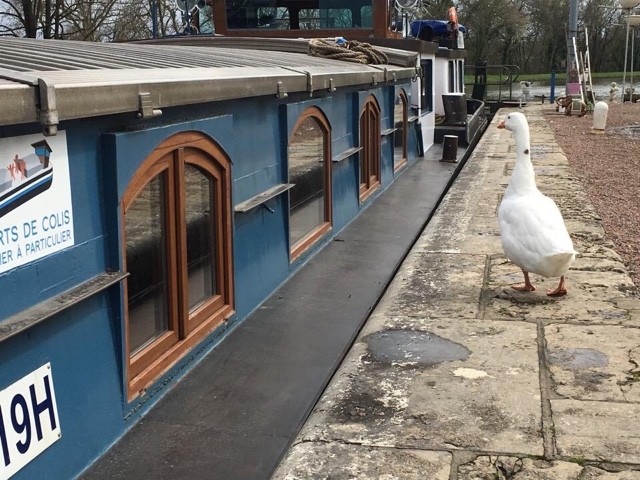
352	51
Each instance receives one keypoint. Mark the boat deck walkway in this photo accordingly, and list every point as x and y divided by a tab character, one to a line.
456	376
236	413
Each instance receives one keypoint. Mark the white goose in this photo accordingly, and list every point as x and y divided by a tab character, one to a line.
532	230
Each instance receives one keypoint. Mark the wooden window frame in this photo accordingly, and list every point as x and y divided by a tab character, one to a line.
370	141
405	125
321	230
186	329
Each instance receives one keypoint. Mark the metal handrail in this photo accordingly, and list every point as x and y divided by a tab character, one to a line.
508	74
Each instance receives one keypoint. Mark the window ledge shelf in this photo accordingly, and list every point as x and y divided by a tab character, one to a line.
388	131
346	154
42	311
263	197
412	119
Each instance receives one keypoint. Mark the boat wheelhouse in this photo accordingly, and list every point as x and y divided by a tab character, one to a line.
439	101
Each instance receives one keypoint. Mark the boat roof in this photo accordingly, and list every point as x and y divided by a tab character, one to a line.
48	81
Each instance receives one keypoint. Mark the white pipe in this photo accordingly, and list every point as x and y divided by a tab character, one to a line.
626	48
633	34
628	5
634	21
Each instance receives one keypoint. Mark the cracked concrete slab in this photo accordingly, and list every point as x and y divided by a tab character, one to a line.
477	234
594	363
321	461
595	285
597	431
488	399
590	240
439	285
519	468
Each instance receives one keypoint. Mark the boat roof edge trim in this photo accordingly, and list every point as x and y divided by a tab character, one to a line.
53	100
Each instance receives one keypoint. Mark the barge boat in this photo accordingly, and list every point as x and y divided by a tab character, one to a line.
195	175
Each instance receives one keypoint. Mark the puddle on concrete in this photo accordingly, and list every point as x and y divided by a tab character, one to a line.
410	346
578	358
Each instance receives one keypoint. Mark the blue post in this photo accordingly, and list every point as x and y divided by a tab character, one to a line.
552	97
154	19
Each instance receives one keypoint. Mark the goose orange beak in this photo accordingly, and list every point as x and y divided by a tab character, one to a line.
501	124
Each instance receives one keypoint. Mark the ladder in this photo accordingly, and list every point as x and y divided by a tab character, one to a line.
584	69
578	67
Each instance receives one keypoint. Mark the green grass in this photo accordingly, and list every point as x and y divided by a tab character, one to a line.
535	77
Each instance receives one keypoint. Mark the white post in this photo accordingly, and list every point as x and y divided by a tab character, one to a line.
600	111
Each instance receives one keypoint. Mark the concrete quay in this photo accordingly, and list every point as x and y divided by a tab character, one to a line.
456	376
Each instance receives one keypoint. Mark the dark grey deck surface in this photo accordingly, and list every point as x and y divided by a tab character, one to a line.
233	416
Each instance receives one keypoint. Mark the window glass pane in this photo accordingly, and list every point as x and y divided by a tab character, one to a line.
205	17
362	159
146	236
370	141
273	18
256	14
318	14
201	235
452	77
316	18
366	17
426	101
373	139
306	171
399	110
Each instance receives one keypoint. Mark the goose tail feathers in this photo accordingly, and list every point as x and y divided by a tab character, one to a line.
558	263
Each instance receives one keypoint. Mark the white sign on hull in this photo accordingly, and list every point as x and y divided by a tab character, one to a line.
29	422
36	216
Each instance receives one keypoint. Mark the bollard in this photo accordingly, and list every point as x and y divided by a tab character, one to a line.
450	149
600	111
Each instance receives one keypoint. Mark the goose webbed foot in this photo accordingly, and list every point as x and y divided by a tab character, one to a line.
559	291
527	286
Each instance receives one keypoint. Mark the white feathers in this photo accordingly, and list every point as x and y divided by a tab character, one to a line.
532	230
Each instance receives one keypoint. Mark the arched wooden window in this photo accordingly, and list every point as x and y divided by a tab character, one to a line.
370	143
400	120
177	243
309	157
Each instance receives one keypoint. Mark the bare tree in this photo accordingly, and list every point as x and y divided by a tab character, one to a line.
548	20
602	23
20	17
494	27
135	20
102	20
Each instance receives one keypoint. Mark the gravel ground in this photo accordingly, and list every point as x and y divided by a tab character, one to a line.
608	166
